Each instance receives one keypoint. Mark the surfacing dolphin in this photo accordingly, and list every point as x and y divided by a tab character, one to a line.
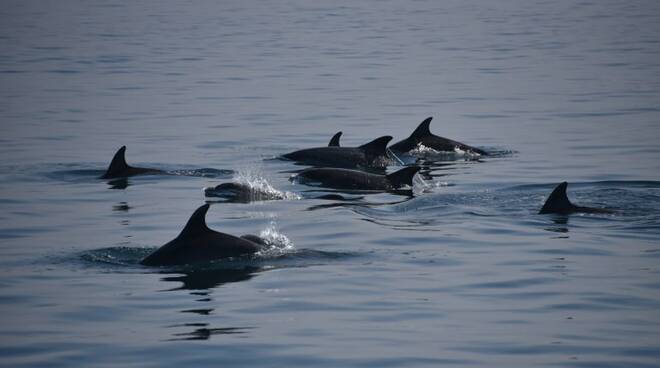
422	135
243	193
120	169
372	154
558	202
358	180
197	243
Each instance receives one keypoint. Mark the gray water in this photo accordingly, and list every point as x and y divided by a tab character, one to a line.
466	273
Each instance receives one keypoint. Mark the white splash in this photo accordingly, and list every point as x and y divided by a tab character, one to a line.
261	188
422	150
420	185
468	154
277	244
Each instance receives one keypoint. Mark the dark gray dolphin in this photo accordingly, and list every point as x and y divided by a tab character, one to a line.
197	243
242	193
558	202
424	136
120	169
372	154
358	180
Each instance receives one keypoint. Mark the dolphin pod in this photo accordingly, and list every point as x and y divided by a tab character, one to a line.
334	167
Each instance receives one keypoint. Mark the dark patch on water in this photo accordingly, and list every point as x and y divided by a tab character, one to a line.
204	333
209	278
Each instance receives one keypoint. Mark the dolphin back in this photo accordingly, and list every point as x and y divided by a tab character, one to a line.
255	239
423	135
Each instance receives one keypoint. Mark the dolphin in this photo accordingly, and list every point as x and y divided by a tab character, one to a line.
197	243
372	154
359	180
558	202
242	193
120	169
422	135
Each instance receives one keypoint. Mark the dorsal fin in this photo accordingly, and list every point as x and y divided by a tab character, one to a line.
197	223
334	142
403	176
423	128
377	147
558	202
118	163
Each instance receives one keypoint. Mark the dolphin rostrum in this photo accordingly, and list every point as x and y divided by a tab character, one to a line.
358	180
422	135
118	167
372	154
558	202
197	243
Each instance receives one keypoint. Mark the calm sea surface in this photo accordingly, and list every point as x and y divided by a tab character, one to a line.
464	274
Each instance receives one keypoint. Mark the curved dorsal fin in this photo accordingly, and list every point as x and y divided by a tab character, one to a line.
403	176
334	142
197	223
377	146
558	202
423	128
118	163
